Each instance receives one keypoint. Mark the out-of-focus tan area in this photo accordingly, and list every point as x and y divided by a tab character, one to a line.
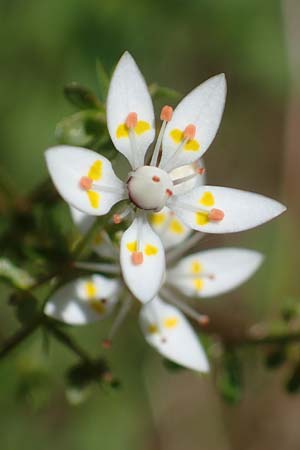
45	45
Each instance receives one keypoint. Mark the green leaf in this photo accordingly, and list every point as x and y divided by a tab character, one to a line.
84	128
293	383
275	357
82	97
229	381
103	80
163	93
26	306
172	366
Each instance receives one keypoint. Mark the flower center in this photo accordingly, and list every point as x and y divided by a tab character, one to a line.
149	188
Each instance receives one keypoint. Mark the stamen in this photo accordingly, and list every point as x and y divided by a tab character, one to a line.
85	183
189	132
200	171
137	258
116	219
156	179
187	177
106	343
131	120
166	113
201	319
98	267
216	215
103	188
119	319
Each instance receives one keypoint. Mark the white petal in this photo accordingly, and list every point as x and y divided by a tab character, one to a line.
214	272
242	210
203	108
101	245
83	300
67	165
169	332
128	93
145	279
186	171
171	230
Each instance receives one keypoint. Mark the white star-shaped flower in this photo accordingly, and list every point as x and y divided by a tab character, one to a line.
164	325
87	181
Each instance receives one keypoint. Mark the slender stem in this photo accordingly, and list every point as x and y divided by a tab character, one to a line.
293	336
177	252
11	343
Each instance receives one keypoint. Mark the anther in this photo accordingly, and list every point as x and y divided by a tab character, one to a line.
137	258
163	340
156	179
103	301
131	120
117	219
107	377
216	215
200	171
166	113
85	183
169	192
189	132
203	320
106	343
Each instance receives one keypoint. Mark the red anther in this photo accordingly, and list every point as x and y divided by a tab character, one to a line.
156	179
166	113
204	320
107	377
189	132
117	219
200	170
85	183
169	192
211	276
106	343
131	120
216	215
137	258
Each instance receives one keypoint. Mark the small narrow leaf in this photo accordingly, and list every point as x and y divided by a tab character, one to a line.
81	97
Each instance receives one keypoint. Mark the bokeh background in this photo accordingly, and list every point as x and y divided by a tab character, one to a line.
45	45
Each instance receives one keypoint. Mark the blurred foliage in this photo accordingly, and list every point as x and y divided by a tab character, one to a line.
44	47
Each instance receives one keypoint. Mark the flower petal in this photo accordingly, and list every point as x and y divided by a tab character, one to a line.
101	245
242	210
142	260
127	94
202	108
83	300
69	165
214	272
188	171
171	230
167	330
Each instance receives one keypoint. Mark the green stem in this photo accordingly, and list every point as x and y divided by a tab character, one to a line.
11	343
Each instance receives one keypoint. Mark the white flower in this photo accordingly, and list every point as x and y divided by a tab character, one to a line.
204	274
87	181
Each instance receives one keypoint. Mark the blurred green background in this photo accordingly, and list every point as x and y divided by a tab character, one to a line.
45	45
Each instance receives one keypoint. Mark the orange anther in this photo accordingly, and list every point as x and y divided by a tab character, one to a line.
85	183
200	170
166	113
117	219
106	343
169	192
156	179
203	320
131	120
216	215
189	132
137	258
107	377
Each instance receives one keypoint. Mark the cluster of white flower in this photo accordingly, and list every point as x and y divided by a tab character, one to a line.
167	200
